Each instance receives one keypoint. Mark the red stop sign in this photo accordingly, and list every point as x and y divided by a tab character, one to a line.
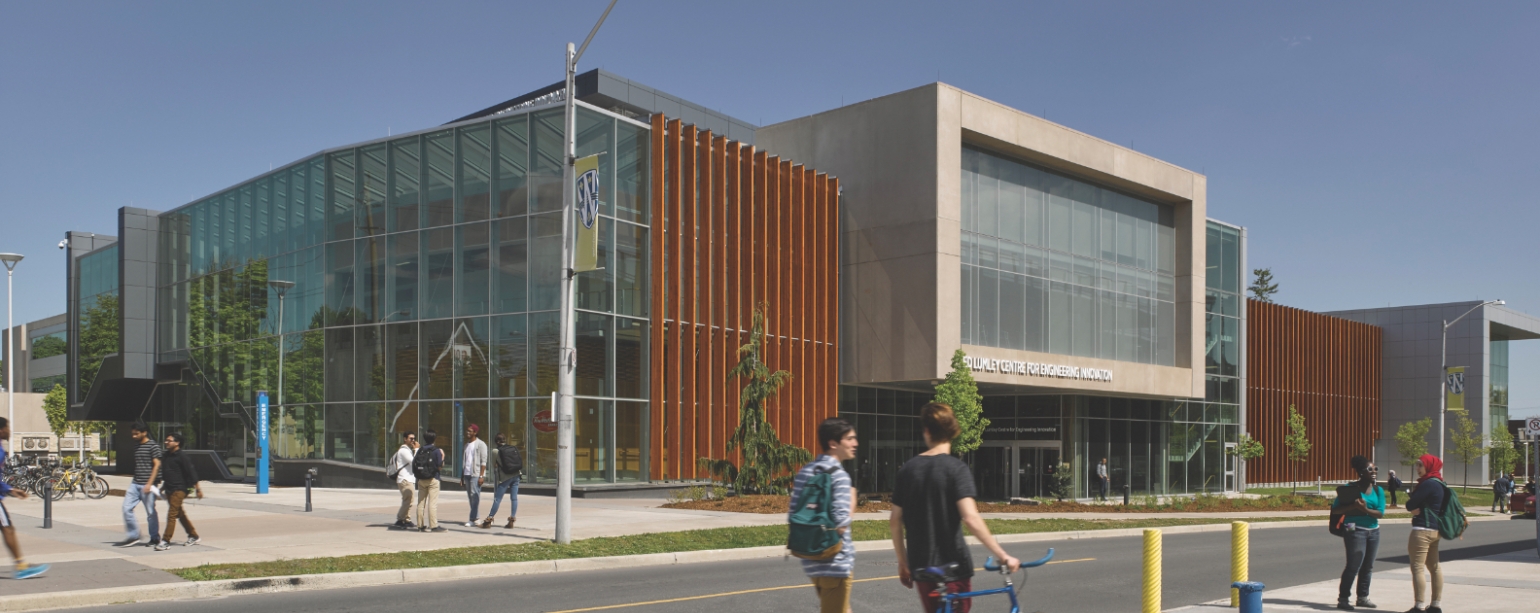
544	421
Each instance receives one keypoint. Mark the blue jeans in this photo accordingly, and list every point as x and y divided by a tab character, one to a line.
140	493
1362	546
510	485
473	492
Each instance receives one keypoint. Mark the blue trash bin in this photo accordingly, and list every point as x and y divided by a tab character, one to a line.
1251	595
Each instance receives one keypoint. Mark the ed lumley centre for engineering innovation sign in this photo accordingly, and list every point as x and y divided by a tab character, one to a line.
1034	369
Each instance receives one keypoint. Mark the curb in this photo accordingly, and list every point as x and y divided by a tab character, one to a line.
298	583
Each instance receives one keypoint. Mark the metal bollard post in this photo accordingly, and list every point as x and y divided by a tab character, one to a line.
1240	558
47	505
309	475
1125	494
1151	571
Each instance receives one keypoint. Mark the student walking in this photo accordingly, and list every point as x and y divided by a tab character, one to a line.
400	470
426	463
1102	480
933	499
180	477
509	465
832	578
1426	501
1362	542
22	570
147	458
474	463
1501	488
1394	486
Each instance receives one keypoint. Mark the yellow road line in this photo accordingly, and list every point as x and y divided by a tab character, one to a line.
755	591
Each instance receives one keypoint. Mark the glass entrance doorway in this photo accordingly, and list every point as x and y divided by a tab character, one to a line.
1015	469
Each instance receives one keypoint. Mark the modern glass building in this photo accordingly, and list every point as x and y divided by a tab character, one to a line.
425	271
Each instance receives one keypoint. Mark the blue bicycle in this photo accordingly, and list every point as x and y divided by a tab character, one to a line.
941	575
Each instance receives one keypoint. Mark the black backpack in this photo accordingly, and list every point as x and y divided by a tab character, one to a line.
425	463
1337	521
509	461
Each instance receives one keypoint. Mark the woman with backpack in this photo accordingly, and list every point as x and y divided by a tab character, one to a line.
509	465
1363	504
1422	547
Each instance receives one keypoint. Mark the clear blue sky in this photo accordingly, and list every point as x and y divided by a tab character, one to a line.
1380	153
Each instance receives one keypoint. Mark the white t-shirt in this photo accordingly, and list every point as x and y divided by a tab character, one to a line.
402	464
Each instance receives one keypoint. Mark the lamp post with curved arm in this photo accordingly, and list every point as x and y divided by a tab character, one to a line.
1443	373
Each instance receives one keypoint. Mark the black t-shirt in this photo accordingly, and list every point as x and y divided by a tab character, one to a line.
928	489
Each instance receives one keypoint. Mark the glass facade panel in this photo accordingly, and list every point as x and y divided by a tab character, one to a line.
405	208
439	181
1052	263
343	195
512	142
510	284
371	191
475	174
474	268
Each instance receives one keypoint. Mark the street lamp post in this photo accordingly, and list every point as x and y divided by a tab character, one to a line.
10	260
282	287
1443	373
566	371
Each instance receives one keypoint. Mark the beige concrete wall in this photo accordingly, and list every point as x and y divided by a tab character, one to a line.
899	158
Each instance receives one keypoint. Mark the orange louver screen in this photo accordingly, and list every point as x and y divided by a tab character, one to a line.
1329	369
733	227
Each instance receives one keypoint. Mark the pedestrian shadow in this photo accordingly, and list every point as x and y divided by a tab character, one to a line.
1466	553
1300	603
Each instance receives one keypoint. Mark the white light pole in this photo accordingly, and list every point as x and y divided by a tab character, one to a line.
1443	374
282	287
10	260
566	371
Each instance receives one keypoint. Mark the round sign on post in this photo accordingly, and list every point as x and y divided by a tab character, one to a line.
544	421
1533	425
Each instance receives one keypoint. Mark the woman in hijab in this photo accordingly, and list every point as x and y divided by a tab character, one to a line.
1422	546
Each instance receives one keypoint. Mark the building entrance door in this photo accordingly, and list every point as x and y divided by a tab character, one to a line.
1231	460
1015	469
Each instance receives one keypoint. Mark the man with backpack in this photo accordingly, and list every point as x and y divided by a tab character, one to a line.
399	470
426	463
509	465
933	499
1426	503
1394	487
1360	505
822	499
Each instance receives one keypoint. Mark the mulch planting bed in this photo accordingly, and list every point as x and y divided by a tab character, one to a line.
778	504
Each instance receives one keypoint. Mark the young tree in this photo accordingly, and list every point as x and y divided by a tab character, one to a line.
961	392
1262	287
768	465
1412	441
55	407
1503	455
1468	445
1247	449
1297	442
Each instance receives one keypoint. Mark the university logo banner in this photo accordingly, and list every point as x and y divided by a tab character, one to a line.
587	255
1454	388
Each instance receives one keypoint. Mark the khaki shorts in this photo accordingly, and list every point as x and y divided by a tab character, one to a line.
833	593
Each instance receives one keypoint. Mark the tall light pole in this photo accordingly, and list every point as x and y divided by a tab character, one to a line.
10	260
282	287
1443	373
567	370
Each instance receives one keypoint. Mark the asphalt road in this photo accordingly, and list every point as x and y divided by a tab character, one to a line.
1100	575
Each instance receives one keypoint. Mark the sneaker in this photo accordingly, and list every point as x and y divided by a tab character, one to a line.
470	524
191	540
30	571
1414	609
1343	604
1366	603
439	529
1435	609
126	543
162	546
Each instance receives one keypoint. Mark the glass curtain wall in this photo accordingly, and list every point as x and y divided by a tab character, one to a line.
1498	395
426	271
1054	264
887	424
96	313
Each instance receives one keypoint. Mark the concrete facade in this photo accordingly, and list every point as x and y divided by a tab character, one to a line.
27	367
1412	381
899	159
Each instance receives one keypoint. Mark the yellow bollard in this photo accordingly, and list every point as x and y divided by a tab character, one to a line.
1151	571
1240	557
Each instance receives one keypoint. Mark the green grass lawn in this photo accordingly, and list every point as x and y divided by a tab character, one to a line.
664	542
1472	497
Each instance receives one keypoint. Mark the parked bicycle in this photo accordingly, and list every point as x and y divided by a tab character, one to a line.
940	576
78	477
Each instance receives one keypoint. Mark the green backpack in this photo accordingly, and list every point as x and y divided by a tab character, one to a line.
1452	521
813	534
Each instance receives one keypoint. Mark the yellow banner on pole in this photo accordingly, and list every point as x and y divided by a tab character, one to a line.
586	256
1454	388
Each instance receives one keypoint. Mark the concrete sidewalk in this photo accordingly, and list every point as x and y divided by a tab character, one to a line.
1504	583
